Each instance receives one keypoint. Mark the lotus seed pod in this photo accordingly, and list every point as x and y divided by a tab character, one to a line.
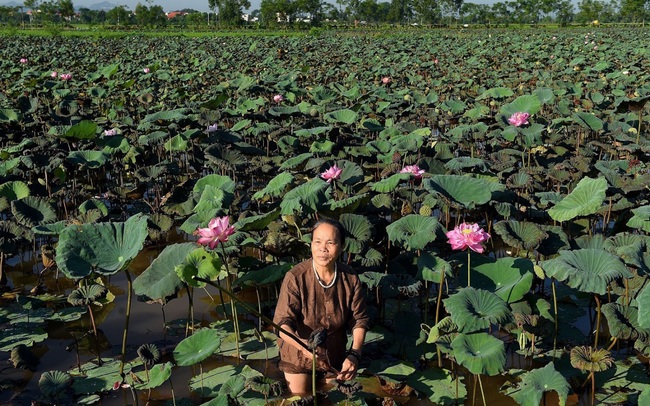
425	210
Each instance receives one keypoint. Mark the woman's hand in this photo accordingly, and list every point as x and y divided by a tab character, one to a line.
349	369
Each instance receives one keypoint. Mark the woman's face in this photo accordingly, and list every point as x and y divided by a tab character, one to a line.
325	246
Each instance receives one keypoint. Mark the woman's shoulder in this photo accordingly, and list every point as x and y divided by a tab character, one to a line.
346	269
301	267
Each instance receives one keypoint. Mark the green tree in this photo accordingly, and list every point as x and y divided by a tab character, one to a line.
118	16
635	10
230	11
427	11
400	11
66	9
476	13
276	12
313	8
590	10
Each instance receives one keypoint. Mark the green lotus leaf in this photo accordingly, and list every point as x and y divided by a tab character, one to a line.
588	121
214	198
83	130
166	116
257	223
526	103
520	234
508	277
476	309
176	143
233	387
7	115
389	184
460	163
351	172
21	333
158	374
480	353
85	295
439	385
265	385
88	159
644	397
306	198
16	190
264	276
93	204
643	301
54	383
276	186
345	116
358	231
224	183
197	347
105	248
623	322
33	211
7	166
209	383
461	190
594	242
372	258
199	263
23	358
584	200
538	381
556	240
587	270
413	232
349	204
159	281
93	378
296	161
496	93
431	268
641	219
308	132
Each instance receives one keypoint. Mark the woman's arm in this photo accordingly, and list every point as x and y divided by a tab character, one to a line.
353	358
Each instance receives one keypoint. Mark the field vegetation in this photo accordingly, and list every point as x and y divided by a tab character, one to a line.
115	151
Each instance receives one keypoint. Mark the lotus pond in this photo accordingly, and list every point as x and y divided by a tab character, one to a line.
116	150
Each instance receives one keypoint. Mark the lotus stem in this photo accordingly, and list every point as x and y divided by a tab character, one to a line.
259	305
627	292
638	132
556	315
474	392
128	315
97	346
469	258
597	320
442	278
612	344
233	308
593	389
313	373
482	392
190	300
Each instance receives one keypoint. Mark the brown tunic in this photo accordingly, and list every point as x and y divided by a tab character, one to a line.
306	306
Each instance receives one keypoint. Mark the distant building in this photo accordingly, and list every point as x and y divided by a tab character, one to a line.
174	14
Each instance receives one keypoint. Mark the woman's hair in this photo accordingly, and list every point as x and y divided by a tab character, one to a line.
340	230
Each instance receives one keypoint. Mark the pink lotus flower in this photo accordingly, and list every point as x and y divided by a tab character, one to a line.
66	76
519	118
217	231
386	80
54	74
467	236
111	132
212	128
414	170
331	174
278	98
435	61
24	60
146	70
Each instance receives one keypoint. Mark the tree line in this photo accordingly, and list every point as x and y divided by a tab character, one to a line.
284	13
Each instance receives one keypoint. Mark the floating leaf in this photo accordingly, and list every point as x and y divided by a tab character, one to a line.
413	232
539	381
480	353
197	347
476	309
54	383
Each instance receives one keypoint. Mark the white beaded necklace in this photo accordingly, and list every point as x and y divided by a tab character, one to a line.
320	281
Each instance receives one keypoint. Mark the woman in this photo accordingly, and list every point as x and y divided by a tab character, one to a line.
321	293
